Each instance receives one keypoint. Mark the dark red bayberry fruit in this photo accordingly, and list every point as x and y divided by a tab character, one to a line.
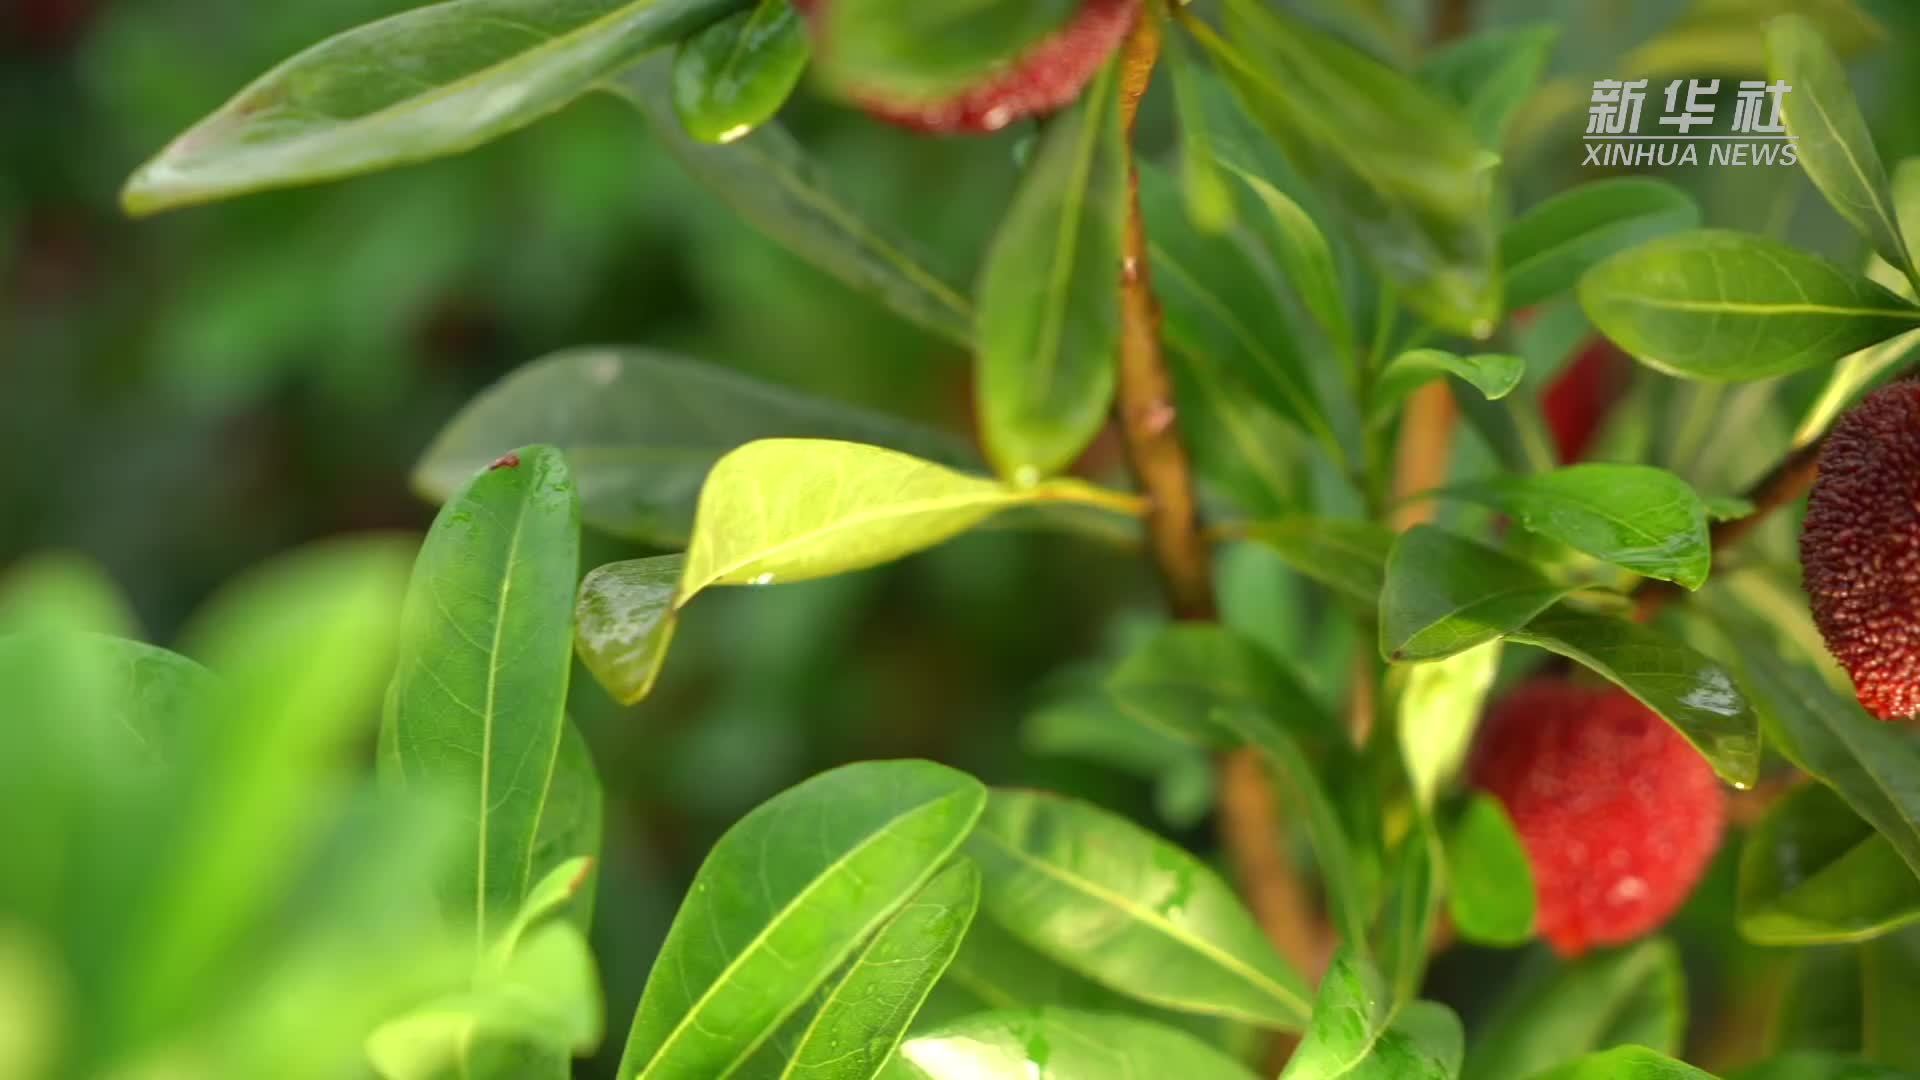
1048	76
1579	400
1860	548
1619	815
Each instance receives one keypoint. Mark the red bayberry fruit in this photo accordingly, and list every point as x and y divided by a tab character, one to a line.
1048	76
1619	815
1581	397
1860	548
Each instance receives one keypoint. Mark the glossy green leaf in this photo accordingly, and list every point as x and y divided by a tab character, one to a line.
1810	1065
573	823
1438	713
479	697
1812	872
1058	1044
641	430
156	697
1493	374
1490	75
1693	693
1548	248
736	74
1094	724
1305	258
1874	766
783	900
1209	197
1490	891
1402	165
769	179
1678	302
1049	293
1835	147
932	50
995	970
1349	557
859	1016
1404	938
1360	1033
1635	516
1445	594
624	621
1112	901
1558	1012
549	895
1179	677
425	83
1626	1063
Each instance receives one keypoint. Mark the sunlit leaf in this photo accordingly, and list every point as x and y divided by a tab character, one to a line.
1058	1044
1490	889
1546	249
733	76
1626	1063
1360	1033
624	621
1493	374
1635	516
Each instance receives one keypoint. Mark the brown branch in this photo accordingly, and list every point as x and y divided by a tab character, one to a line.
1782	486
1250	827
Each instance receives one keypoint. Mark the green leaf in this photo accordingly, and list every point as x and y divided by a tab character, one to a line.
548	896
1548	248
1634	516
425	83
783	900
769	179
736	74
1819	1006
999	971
1835	146
1627	1063
1049	320
859	1016
1402	166
1306	260
1445	595
1559	1012
1179	677
1874	766
68	591
1058	1044
1719	306
1689	690
1349	557
1493	374
573	822
1209	198
1490	890
1118	904
479	697
1890	977
641	430
1490	75
926	51
1808	1065
1438	712
1358	1033
1812	872
1094	724
1405	935
624	621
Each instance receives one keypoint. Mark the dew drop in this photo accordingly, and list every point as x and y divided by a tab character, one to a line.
735	133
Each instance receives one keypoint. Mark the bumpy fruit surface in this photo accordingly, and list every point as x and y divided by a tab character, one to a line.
1860	548
1619	815
1048	76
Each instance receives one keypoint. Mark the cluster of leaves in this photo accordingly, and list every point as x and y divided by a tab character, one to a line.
900	919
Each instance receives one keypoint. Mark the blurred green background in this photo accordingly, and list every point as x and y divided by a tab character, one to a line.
183	397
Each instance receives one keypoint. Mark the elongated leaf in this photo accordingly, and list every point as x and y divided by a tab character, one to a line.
64	591
1439	710
422	84
1306	259
1490	75
733	76
1490	889
1690	691
1405	934
859	1016
1058	1044
1358	1033
783	900
1872	765
1049	322
769	179
1642	518
1095	725
1104	897
1209	198
1634	995
572	825
931	50
1179	677
478	701
1445	594
1493	374
1349	557
624	621
1813	872
641	429
1549	247
996	971
1627	1063
1890	977
1405	167
1809	1065
1835	147
1720	306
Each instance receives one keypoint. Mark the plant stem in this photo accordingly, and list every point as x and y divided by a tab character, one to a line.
1249	822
